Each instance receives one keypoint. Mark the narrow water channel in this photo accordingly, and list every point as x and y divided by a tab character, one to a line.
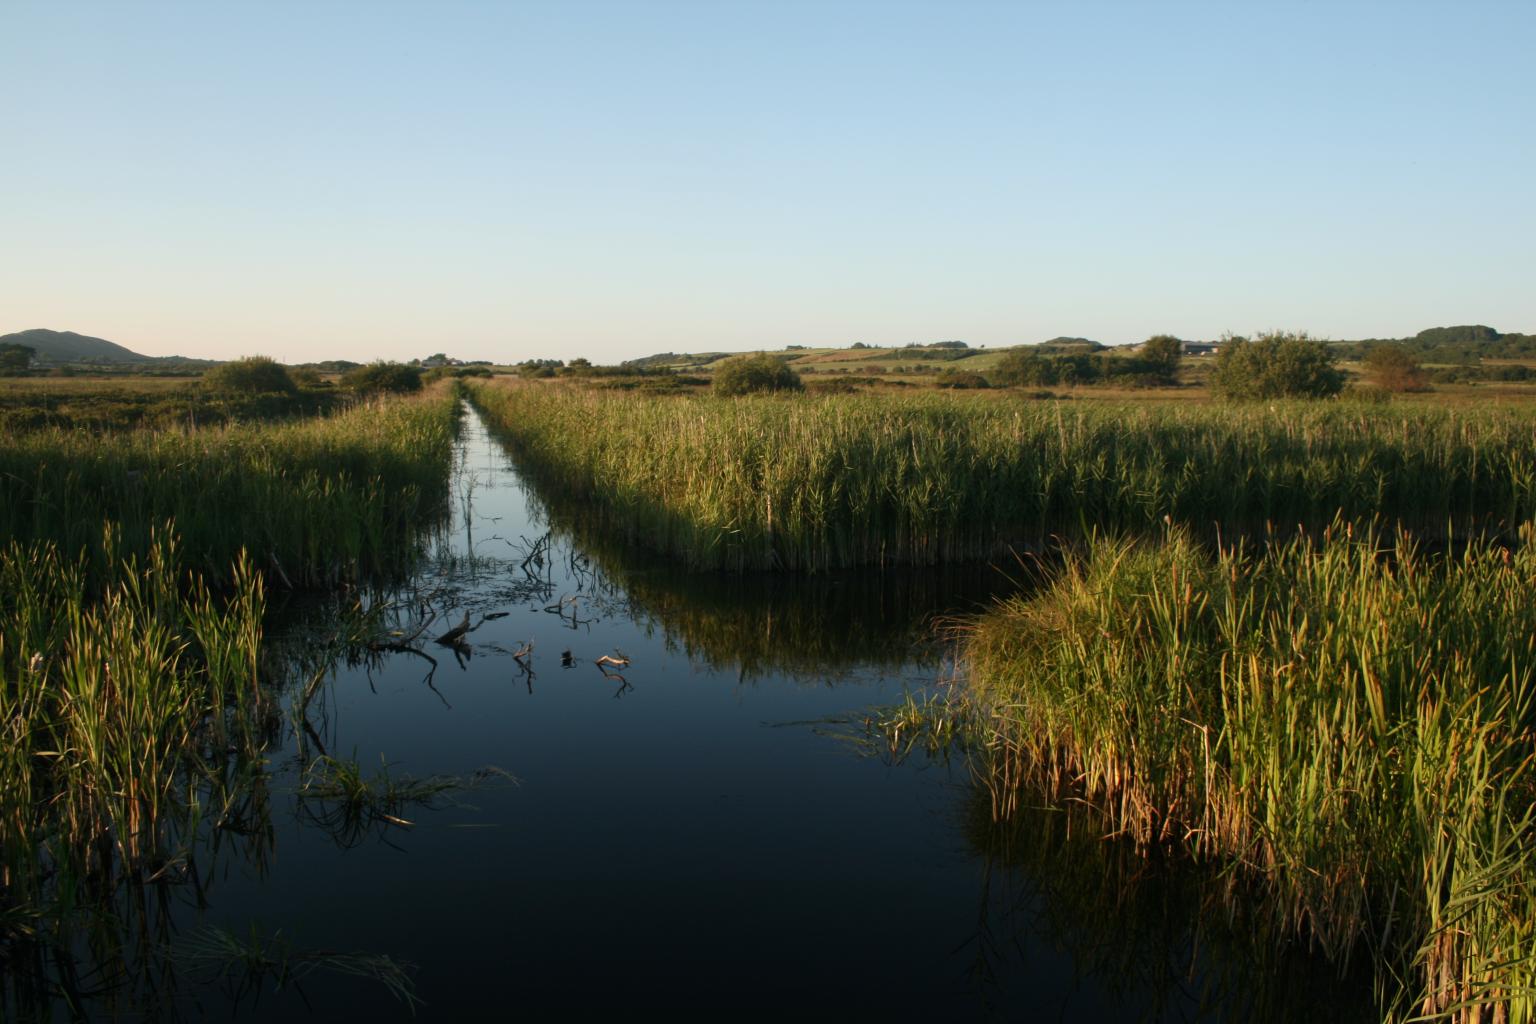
695	827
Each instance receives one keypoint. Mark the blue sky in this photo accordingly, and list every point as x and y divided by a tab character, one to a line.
517	180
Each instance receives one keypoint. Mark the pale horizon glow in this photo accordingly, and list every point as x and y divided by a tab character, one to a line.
509	181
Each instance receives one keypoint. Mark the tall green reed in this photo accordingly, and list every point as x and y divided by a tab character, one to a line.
120	716
314	502
1348	731
814	483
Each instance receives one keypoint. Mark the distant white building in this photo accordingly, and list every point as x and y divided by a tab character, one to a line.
1197	348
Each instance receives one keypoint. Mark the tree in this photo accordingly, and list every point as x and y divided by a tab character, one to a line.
16	358
1161	354
395	378
252	375
1281	364
1023	367
746	374
1077	369
1395	369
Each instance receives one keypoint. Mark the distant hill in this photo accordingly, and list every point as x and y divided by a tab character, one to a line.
1070	346
69	347
676	359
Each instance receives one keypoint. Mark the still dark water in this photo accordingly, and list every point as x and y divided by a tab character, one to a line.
699	833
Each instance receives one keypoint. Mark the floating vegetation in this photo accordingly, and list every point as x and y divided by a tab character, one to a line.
934	725
246	966
351	807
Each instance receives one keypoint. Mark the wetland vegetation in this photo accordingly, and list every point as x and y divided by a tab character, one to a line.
824	482
1288	642
1270	660
137	707
313	502
1342	723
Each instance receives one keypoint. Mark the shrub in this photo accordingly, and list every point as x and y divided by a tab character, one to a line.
952	379
1395	369
14	359
1281	364
746	374
1161	354
1025	367
396	378
252	375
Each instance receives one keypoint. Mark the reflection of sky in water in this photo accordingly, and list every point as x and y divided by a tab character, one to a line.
682	838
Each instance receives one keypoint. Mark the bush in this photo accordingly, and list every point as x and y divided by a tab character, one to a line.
253	375
835	386
755	373
1395	369
1161	354
952	379
394	378
1025	367
14	359
1281	364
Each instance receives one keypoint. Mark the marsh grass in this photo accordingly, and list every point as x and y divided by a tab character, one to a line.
133	710
935	725
350	806
1345	725
126	719
815	483
314	503
249	964
145	403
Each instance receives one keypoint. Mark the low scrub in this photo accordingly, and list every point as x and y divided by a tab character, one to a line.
383	378
252	375
749	374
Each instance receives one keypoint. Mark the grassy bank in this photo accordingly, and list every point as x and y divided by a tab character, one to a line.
1350	735
814	483
313	502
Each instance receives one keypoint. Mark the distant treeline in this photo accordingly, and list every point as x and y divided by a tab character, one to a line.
1464	345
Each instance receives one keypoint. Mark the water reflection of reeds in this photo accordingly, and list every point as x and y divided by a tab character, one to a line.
814	628
1160	939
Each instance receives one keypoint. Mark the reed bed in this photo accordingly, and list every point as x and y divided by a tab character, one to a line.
1343	724
815	483
125	717
314	502
810	628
